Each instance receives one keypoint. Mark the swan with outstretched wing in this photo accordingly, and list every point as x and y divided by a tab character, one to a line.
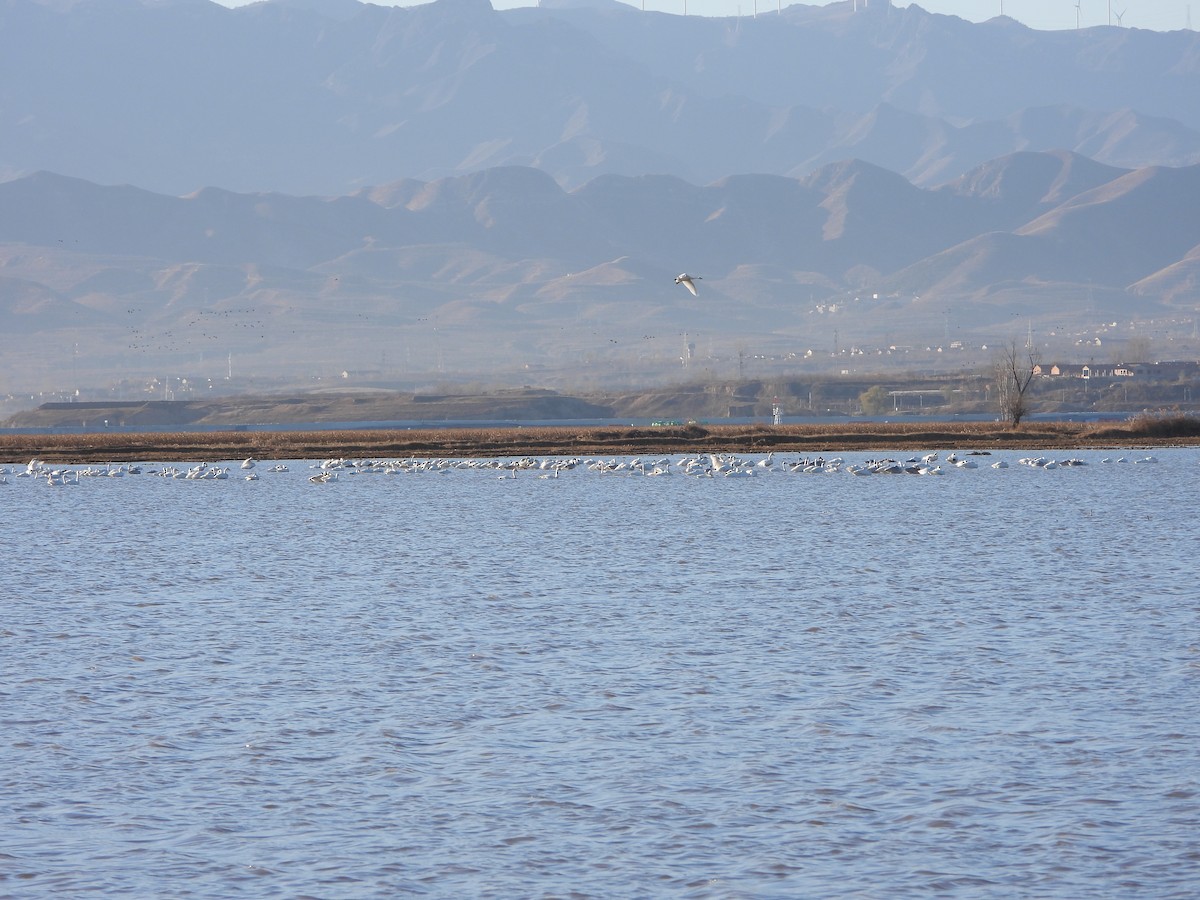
688	281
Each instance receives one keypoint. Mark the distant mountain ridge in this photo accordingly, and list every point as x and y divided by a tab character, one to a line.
503	267
325	98
846	215
326	188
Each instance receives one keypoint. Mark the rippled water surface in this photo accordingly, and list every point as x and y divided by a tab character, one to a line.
452	683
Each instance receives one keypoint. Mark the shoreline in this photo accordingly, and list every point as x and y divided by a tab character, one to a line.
591	441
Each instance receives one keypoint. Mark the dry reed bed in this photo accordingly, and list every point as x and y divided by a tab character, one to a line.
1147	430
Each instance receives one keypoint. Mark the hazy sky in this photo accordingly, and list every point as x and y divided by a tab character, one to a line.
1161	15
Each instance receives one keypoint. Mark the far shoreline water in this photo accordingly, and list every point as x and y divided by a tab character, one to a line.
589	440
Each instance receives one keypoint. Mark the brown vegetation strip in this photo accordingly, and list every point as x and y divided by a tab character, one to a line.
607	440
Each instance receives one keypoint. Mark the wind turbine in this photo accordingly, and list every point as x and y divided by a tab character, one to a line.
1120	16
1078	13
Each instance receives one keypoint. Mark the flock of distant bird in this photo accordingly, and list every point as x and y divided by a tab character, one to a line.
710	465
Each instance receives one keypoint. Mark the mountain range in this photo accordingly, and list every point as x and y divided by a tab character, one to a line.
323	187
308	97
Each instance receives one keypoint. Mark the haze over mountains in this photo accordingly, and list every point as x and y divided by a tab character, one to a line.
327	97
318	186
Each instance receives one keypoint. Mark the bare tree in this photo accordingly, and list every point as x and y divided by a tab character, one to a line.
1014	374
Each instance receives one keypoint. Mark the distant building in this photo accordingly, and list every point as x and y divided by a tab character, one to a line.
1162	371
1056	371
1065	370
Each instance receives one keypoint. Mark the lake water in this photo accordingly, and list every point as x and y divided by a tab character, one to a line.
450	683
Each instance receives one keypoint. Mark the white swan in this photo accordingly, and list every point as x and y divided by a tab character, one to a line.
688	281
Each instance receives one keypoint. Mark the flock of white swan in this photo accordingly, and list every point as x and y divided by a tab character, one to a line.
707	465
